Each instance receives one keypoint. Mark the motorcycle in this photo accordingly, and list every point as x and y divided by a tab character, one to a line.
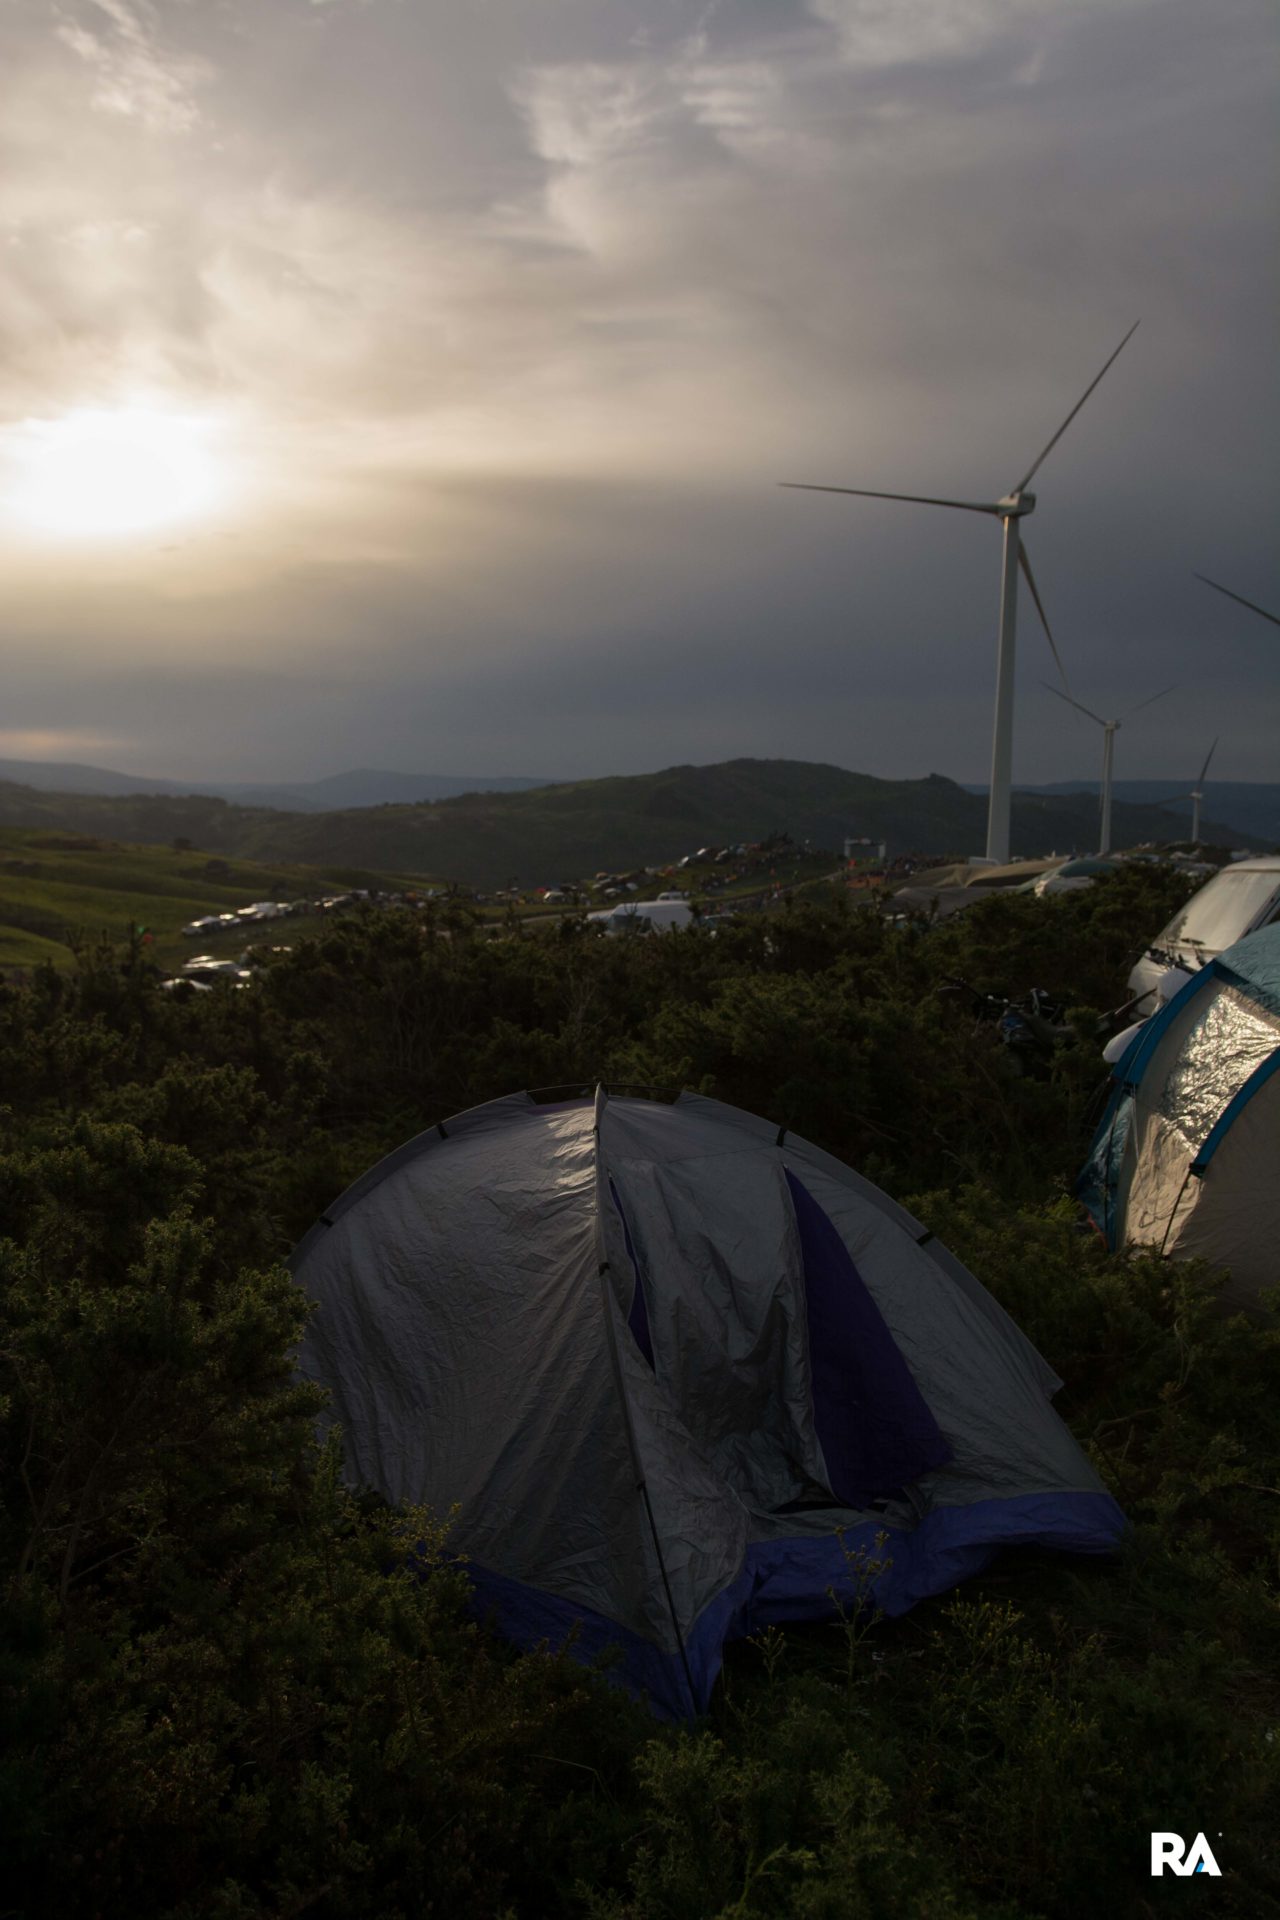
1029	1029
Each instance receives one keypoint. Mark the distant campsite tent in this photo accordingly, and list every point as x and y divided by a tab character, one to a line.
656	1354
1187	1158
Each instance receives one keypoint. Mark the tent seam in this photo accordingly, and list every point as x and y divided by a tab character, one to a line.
611	1336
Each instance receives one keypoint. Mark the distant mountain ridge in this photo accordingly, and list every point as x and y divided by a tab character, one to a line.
362	787
545	834
1251	807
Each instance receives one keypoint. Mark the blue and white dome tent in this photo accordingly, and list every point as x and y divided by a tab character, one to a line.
656	1354
1187	1157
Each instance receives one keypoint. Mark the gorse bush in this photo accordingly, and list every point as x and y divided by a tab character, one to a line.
230	1687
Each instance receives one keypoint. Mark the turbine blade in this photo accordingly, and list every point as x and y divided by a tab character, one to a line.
1252	606
1205	768
1074	703
1036	465
1148	702
1025	564
865	493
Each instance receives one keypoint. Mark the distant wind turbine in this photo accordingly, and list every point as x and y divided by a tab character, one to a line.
1253	608
1196	795
1110	728
1013	507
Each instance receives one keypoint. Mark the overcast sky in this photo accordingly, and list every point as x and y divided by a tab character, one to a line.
405	383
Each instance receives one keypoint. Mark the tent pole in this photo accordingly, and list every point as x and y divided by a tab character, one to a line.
642	1486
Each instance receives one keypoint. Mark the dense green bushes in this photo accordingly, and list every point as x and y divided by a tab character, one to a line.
230	1688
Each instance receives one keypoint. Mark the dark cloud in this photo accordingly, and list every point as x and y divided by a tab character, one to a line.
511	317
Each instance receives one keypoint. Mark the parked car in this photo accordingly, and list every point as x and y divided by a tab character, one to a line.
1074	874
1238	900
645	916
205	969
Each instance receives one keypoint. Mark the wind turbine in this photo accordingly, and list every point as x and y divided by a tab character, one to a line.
1110	728
1009	510
1196	795
1253	608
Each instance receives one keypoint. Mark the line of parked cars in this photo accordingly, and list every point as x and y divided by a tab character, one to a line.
261	910
244	917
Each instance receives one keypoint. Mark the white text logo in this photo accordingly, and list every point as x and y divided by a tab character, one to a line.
1171	1851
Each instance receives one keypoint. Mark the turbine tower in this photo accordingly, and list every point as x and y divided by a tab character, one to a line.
1110	728
1196	795
1009	510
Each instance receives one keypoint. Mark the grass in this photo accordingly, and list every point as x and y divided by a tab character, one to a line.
57	888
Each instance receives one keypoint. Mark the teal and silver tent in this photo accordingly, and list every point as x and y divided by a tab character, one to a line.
1187	1157
656	1355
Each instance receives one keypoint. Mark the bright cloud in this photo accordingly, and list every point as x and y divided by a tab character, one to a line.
133	73
512	316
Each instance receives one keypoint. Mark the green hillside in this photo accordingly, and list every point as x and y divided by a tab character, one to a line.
150	819
562	832
57	887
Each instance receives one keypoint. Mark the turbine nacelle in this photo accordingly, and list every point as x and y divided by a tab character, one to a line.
1015	505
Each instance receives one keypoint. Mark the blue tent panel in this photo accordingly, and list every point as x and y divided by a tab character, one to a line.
1099	1178
875	1428
638	1317
806	1578
1253	964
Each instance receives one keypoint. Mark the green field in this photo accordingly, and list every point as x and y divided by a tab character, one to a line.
58	890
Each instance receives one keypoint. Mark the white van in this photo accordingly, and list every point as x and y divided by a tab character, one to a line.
1238	900
645	916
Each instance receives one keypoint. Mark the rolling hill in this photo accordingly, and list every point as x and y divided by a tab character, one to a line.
550	833
361	787
59	887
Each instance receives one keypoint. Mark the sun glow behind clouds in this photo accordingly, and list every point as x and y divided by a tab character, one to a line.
106	474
